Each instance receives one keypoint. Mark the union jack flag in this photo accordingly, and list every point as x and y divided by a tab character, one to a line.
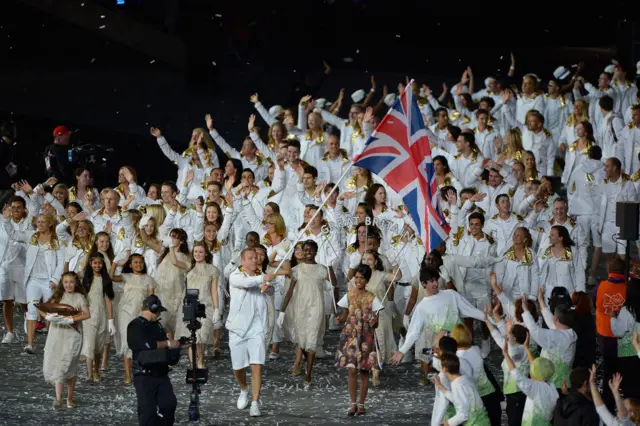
398	152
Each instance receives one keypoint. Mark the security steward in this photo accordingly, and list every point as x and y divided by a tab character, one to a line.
153	353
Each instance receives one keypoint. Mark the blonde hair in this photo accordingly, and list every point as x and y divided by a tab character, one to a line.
514	142
206	138
462	336
542	369
157	212
279	224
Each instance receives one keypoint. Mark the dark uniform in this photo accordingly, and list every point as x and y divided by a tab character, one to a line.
152	384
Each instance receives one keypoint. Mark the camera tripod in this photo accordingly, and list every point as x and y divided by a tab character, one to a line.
195	376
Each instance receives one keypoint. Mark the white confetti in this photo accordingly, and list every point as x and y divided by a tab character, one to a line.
93	60
214	63
218	15
81	4
152	61
102	27
102	16
357	51
501	57
397	35
347	60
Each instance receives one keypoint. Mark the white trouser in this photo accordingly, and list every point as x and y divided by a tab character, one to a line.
37	288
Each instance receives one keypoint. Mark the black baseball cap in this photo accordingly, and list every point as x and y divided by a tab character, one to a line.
154	305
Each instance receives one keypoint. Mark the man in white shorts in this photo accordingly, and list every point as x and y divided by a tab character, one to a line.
616	187
247	324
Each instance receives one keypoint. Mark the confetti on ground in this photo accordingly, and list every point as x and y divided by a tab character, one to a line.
25	398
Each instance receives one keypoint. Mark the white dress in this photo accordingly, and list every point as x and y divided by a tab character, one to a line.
384	332
307	328
64	344
170	289
200	277
95	329
136	290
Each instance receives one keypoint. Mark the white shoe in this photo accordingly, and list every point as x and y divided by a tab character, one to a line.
320	354
273	356
243	399
255	409
485	348
592	281
9	338
30	349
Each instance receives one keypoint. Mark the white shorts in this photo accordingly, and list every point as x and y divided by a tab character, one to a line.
245	352
590	225
610	241
11	289
37	289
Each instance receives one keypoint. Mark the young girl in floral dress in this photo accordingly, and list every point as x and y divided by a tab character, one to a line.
357	346
64	340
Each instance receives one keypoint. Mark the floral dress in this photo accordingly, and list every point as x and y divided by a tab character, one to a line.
357	346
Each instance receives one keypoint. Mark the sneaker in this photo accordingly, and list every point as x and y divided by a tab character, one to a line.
255	409
273	356
29	349
592	281
485	348
320	354
243	399
9	338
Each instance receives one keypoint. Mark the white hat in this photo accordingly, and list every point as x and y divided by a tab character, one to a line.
320	103
610	68
390	99
358	96
454	89
638	68
275	110
561	73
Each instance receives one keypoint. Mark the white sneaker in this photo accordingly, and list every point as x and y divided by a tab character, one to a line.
8	338
243	399
485	348
320	354
255	409
30	349
273	356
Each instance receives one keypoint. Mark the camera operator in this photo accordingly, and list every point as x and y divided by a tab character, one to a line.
56	156
153	353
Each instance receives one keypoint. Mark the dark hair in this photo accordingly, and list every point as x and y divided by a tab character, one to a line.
88	275
439	110
253	234
126	269
564	234
94	247
370	196
477	215
606	103
433	259
247	170
595	152
378	263
565	315
533	309
265	262
182	248
489	100
428	273
208	257
578	377
18	199
365	271
294	261
559	296
615	162
311	243
451	363
520	333
500	197
454	130
617	266
445	163
311	171
171	185
448	345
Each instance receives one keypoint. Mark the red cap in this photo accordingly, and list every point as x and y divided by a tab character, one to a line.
61	131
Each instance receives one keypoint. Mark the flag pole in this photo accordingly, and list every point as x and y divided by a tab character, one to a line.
335	187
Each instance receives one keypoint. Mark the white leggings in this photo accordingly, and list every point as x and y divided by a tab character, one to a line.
37	288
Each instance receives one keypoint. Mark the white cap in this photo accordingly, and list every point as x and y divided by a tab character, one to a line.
454	89
275	110
357	96
390	99
610	68
320	103
561	73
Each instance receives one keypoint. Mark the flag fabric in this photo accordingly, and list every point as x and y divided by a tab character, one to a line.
398	151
